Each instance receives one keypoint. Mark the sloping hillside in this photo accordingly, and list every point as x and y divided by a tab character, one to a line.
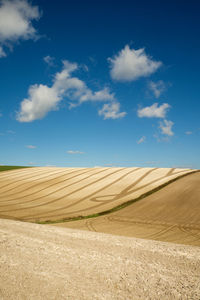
41	194
171	214
44	262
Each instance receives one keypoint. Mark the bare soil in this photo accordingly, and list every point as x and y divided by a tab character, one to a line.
41	194
45	262
171	214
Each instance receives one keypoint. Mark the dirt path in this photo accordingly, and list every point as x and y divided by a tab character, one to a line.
45	262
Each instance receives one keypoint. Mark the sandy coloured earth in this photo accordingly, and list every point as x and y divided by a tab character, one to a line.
171	214
55	262
41	194
45	262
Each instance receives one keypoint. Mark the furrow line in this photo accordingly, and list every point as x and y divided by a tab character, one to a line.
85	198
42	197
51	185
40	183
55	200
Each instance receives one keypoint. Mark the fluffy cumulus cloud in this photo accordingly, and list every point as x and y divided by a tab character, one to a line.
154	111
43	98
111	111
157	87
141	140
166	127
130	64
16	18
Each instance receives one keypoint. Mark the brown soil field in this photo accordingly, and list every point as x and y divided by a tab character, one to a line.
171	214
44	262
41	194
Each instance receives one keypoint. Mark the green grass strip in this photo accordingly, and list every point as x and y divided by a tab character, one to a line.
7	168
118	207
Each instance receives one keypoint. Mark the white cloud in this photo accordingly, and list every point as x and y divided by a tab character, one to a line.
85	67
111	111
188	132
141	140
154	111
10	131
130	64
49	60
16	22
166	127
157	88
43	99
31	147
75	152
2	52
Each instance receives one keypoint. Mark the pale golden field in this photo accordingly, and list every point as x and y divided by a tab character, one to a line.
105	260
41	194
172	214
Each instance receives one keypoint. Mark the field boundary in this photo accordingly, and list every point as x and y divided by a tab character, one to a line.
11	168
118	207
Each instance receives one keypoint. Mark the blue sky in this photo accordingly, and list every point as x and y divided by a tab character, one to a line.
100	83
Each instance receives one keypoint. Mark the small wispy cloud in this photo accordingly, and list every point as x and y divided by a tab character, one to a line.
157	87
188	132
154	111
10	131
130	64
84	67
166	127
49	60
31	147
141	140
152	162
75	152
111	111
2	52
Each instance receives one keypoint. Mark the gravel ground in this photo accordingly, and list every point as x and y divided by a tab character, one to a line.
46	262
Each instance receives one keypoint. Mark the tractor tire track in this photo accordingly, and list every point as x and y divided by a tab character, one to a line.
70	205
85	198
51	185
5	193
24	178
58	190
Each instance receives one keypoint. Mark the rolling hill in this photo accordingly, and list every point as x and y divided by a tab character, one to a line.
56	194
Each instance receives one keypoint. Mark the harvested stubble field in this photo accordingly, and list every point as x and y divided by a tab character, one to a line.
171	214
46	262
53	194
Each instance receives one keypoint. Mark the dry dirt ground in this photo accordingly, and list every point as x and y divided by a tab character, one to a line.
45	262
171	214
40	194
